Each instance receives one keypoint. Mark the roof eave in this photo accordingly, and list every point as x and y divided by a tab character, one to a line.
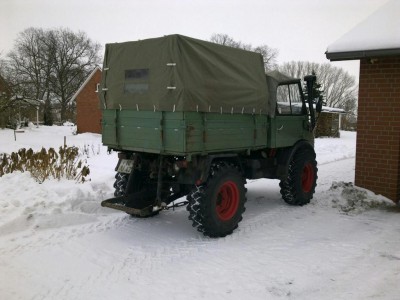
359	54
85	83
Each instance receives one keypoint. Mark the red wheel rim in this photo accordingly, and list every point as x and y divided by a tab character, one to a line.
227	201
307	178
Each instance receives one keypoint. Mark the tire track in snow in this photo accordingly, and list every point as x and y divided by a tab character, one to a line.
136	261
271	210
36	239
142	260
268	210
265	210
267	215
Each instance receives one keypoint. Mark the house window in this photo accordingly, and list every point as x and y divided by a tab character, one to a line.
289	99
136	81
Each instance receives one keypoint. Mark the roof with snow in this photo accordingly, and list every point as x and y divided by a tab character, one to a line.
85	82
333	110
378	35
326	109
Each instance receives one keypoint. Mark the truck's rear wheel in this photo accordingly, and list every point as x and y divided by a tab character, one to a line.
120	184
216	207
121	180
299	186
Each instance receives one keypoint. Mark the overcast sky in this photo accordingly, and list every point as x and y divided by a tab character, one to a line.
300	30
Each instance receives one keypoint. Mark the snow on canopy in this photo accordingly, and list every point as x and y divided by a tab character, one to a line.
380	31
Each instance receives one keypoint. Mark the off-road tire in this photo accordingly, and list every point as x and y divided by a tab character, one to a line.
121	180
216	207
299	186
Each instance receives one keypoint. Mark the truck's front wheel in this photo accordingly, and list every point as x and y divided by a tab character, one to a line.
299	186
216	207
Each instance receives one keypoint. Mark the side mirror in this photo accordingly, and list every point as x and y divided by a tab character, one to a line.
318	107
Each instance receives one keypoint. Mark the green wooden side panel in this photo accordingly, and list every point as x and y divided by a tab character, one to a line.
139	130
287	130
108	126
233	132
174	131
194	135
132	130
183	132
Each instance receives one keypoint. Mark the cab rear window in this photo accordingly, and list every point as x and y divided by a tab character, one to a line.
289	100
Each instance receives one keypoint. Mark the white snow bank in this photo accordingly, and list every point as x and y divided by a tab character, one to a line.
25	204
351	199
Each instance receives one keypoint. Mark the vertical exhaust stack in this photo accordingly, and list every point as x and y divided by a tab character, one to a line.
310	79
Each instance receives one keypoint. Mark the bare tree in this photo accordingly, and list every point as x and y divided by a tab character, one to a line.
75	56
5	90
269	54
31	65
224	39
14	107
51	65
8	101
29	62
339	86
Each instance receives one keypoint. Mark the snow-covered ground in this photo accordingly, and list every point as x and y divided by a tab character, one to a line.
56	242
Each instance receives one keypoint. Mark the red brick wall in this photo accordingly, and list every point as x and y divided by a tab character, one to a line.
88	113
378	128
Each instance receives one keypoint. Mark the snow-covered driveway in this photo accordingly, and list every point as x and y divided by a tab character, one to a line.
57	243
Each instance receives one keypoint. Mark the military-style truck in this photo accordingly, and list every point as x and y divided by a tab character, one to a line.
196	119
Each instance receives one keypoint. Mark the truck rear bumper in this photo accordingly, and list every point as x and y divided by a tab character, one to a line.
119	203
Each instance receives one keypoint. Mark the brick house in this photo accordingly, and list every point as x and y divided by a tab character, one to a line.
88	112
376	43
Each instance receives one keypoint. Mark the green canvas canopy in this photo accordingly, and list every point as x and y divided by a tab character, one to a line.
178	73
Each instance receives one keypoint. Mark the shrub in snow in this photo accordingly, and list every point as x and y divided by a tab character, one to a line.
46	164
90	150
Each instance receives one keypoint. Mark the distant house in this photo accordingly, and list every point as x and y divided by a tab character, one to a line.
88	112
376	43
329	122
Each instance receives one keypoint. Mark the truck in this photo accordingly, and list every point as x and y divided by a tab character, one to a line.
190	118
